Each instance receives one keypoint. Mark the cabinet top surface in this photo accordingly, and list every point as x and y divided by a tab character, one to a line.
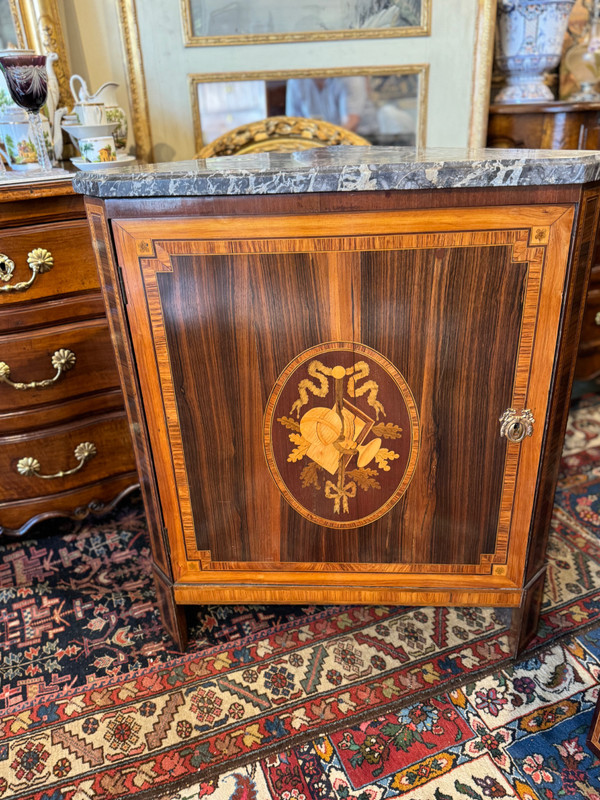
344	169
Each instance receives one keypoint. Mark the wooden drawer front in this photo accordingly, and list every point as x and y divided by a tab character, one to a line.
63	311
74	268
54	450
24	209
18	517
30	358
62	412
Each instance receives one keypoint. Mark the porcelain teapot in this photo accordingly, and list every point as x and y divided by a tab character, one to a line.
107	95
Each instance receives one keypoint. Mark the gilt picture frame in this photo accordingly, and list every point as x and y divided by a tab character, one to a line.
36	24
12	33
212	22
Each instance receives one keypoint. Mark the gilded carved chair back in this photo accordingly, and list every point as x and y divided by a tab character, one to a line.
283	134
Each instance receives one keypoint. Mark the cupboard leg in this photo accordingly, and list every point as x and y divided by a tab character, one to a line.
526	617
173	616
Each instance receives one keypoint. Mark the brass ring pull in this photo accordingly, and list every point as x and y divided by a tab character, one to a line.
39	261
516	426
29	466
62	361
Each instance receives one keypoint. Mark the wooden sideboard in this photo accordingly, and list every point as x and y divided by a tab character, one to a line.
545	126
558	126
353	397
65	448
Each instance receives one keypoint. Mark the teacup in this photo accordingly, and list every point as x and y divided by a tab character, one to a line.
98	150
91	113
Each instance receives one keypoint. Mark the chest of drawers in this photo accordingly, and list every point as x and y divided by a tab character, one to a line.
65	447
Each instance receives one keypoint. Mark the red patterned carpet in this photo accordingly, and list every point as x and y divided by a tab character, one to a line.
283	702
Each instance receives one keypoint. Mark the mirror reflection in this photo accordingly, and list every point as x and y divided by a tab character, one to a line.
241	17
381	108
8	33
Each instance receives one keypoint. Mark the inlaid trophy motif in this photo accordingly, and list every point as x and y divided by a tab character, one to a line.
341	434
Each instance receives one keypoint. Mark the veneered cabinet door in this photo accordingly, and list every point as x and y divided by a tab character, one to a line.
324	393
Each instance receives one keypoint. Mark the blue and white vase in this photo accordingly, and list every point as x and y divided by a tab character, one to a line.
529	40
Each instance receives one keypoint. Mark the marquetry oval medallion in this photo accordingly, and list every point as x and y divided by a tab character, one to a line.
341	434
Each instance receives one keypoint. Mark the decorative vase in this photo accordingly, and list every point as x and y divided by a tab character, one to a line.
529	40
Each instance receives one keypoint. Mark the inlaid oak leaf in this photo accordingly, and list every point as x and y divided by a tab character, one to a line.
289	423
365	478
383	456
310	475
387	430
302	446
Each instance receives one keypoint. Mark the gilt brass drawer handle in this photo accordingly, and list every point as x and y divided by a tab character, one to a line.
516	426
597	318
31	466
39	261
62	361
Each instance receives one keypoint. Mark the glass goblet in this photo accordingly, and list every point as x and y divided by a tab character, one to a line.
27	81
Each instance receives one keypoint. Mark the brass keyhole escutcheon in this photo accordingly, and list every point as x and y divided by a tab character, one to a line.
516	425
517	432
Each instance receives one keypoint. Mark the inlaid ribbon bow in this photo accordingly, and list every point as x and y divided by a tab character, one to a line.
337	493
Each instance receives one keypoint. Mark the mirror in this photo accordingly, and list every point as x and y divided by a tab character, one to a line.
383	108
212	22
10	37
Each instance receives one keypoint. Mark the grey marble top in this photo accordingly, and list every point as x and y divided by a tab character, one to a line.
343	169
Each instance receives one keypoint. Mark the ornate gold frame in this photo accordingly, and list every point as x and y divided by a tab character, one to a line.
190	40
38	26
482	72
138	98
17	19
406	69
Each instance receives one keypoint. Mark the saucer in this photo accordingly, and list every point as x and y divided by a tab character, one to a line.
88	166
90	131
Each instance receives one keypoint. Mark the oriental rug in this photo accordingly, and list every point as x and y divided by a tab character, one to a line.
517	733
95	702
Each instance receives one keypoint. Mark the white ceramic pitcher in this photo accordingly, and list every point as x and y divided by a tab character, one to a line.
107	95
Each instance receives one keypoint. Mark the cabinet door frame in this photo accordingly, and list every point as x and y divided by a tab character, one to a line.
541	236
